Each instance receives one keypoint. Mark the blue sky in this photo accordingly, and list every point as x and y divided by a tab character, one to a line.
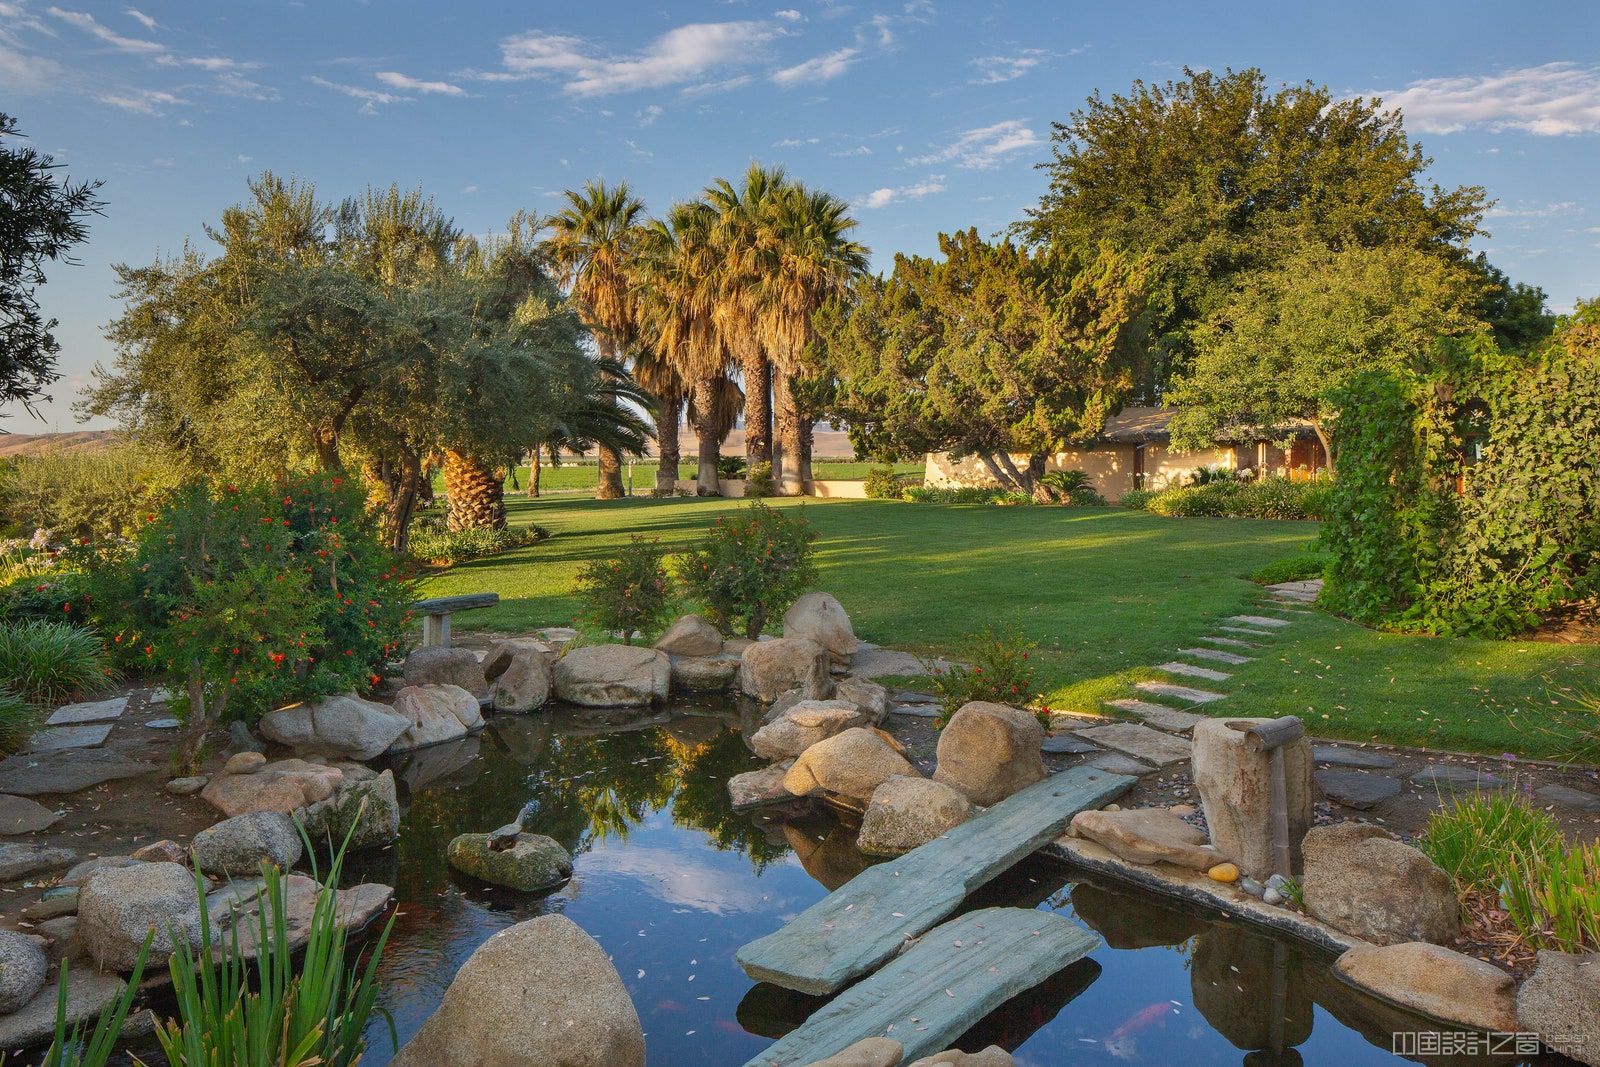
925	115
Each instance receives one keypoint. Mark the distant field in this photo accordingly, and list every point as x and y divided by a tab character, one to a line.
576	476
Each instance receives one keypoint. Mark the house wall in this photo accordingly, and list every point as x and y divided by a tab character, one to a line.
1109	467
1164	468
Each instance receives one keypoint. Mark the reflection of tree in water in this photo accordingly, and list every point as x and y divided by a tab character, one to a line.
702	801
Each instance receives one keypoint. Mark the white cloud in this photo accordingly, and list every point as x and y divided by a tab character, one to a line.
789	14
984	147
681	55
886	196
795	142
1543	211
469	189
648	115
144	20
371	99
723	86
858	150
1555	99
22	72
17	18
995	69
242	158
821	68
396	80
87	23
142	101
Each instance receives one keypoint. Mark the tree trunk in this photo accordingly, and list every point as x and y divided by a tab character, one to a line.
535	468
705	430
786	456
1327	445
1003	476
807	440
476	492
610	483
758	386
404	489
667	423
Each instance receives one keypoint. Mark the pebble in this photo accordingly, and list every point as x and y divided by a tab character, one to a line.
182	787
1272	896
1224	872
1253	887
163	724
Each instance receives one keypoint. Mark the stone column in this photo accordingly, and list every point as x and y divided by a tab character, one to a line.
1235	785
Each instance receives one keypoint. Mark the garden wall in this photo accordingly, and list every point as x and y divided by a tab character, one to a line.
1109	467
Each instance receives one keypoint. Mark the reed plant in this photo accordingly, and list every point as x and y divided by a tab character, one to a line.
1476	840
1553	897
47	663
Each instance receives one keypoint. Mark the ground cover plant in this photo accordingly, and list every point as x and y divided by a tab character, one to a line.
749	567
48	663
1105	592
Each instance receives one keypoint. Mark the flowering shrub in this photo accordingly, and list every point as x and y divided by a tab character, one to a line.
629	591
244	599
750	567
1001	672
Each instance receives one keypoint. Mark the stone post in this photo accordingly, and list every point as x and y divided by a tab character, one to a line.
1235	784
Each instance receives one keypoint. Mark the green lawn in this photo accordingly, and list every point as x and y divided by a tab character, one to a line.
1106	592
572	476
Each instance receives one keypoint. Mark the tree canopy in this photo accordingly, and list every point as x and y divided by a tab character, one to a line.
42	215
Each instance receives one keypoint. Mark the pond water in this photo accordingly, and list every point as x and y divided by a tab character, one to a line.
671	882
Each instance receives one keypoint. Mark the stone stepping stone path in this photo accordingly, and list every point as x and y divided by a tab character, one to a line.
67	771
20	861
1158	715
1258	620
1351	757
1140	742
1117	763
97	711
1180	692
1247	631
943	984
1362	790
1066	745
19	815
59	738
1457	779
856	928
1230	642
1189	670
1572	798
1215	655
919	711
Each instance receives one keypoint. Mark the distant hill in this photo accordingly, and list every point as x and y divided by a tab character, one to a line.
27	444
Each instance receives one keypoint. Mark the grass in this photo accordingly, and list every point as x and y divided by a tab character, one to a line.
574	476
1105	592
47	663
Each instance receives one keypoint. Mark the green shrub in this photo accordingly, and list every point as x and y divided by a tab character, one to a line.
249	598
18	720
1298	568
48	663
1476	840
1065	483
966	494
758	483
1001	671
443	548
750	567
1137	499
1268	498
1085	496
882	483
85	494
730	468
629	590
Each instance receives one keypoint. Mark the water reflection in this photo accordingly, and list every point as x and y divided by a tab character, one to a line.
671	882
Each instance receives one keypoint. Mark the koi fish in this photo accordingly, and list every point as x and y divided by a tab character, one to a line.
1123	1042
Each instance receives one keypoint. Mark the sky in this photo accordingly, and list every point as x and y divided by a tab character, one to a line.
925	115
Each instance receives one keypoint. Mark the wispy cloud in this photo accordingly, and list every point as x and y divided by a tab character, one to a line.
647	116
87	23
406	83
371	99
796	142
993	70
142	101
211	63
1552	100
684	55
141	18
1542	211
789	14
984	147
821	68
887	195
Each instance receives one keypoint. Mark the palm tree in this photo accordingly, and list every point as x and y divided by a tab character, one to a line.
593	243
655	372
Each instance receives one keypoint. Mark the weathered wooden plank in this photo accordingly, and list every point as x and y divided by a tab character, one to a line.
444	605
932	994
865	921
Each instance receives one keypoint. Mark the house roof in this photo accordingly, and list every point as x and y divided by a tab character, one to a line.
1144	425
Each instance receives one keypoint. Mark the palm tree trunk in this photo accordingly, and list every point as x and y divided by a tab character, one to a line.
476	492
668	420
705	430
786	456
610	483
535	467
807	442
758	385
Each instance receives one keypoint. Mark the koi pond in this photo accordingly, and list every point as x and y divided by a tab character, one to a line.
670	881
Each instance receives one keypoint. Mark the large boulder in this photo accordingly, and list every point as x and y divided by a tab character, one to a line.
611	676
907	812
870	698
22	969
438	665
1235	786
692	636
868	1052
532	864
768	669
537	994
852	764
1362	880
284	785
991	1056
370	808
821	618
1147	835
990	751
1560	1002
705	674
1438	982
802	726
344	727
238	846
519	674
435	713
118	908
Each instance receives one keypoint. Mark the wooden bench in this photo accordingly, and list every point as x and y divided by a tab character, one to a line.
436	614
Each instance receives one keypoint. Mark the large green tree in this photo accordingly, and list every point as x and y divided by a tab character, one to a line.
1219	175
990	350
42	215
